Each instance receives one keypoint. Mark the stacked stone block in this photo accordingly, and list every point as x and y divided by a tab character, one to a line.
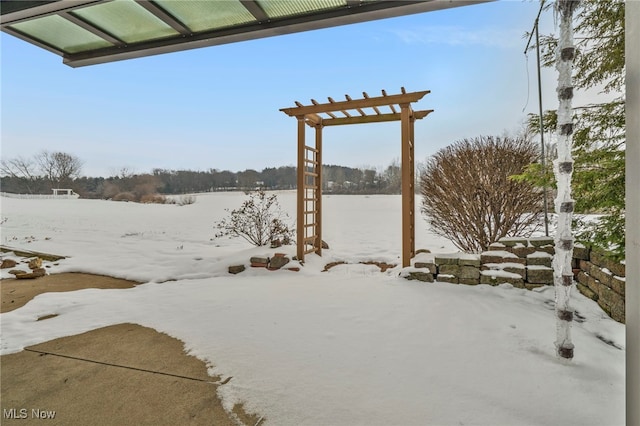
426	269
458	269
500	273
502	266
535	254
602	280
469	272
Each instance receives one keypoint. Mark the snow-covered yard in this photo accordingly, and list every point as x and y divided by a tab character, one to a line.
351	346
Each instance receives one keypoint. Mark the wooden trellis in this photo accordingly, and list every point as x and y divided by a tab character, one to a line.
352	111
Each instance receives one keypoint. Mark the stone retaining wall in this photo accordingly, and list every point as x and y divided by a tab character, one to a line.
601	279
526	263
521	262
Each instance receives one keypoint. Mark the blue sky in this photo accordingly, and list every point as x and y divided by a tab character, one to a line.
218	107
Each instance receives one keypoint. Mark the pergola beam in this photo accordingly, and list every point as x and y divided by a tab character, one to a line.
313	101
356	103
314	120
372	118
377	111
360	111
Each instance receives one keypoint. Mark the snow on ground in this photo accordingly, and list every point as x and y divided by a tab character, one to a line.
351	346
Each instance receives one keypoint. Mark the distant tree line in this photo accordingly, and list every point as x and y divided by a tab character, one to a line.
45	171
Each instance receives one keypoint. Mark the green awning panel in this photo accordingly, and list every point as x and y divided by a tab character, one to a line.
87	32
200	15
61	34
279	8
126	20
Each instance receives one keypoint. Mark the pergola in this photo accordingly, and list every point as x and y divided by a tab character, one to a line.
352	111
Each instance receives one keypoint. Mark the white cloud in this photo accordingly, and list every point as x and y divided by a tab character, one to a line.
459	36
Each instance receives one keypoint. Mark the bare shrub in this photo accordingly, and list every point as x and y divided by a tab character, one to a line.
153	198
259	220
145	185
124	196
185	200
469	196
110	190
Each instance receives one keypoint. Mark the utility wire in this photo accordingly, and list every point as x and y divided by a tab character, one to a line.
542	147
535	25
526	65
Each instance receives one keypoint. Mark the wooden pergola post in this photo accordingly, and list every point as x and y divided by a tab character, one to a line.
318	200
408	179
300	212
352	111
412	168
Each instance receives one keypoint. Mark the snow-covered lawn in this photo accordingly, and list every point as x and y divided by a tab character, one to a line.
351	346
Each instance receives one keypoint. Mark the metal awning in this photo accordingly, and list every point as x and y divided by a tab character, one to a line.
87	32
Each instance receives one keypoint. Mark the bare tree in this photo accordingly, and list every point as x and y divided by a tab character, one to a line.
59	167
21	168
393	176
469	196
124	172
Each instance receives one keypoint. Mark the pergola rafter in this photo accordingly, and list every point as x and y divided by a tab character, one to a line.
352	111
333	107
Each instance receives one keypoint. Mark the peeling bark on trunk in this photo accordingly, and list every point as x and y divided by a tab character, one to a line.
563	169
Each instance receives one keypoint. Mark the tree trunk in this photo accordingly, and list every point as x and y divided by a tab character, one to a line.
563	169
